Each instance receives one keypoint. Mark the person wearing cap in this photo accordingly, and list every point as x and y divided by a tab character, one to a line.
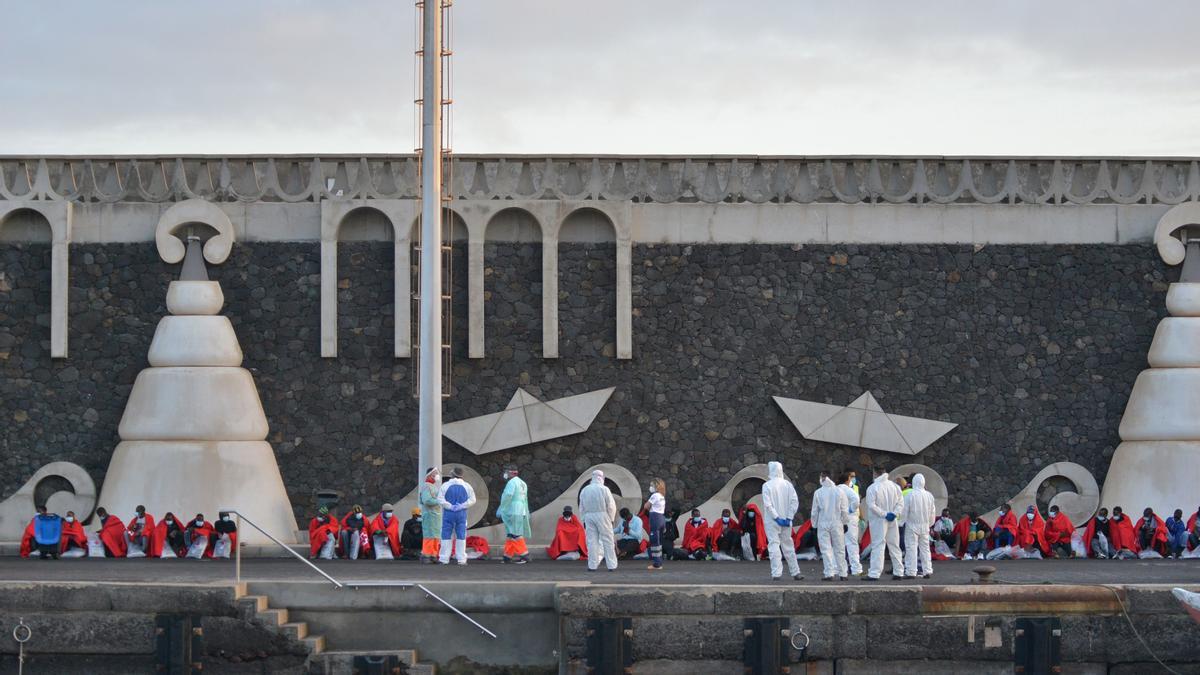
412	536
385	533
431	516
456	497
514	513
356	534
322	534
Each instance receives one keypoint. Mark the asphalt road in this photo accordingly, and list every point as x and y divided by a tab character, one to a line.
1183	572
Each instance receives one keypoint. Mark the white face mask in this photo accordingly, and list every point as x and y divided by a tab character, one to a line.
697	520
225	518
652	490
724	519
70	519
567	518
1029	516
387	514
750	513
1054	514
199	522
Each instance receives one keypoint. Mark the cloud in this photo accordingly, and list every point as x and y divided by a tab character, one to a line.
623	76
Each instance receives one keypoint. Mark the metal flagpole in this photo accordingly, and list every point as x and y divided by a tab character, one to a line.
430	367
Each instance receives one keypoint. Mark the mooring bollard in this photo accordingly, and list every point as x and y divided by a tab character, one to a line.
984	574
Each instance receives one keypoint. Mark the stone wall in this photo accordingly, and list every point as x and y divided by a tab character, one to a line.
1032	350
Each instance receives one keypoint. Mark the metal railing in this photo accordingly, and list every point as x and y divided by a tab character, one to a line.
237	555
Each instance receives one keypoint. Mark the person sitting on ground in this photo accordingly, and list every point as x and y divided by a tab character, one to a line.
323	535
199	537
1058	533
1176	535
1151	533
73	536
141	529
1193	530
631	535
975	535
943	529
750	521
1121	535
570	539
385	533
355	534
804	537
43	534
695	537
1031	533
1096	537
1004	533
224	541
670	535
112	534
725	537
168	536
412	536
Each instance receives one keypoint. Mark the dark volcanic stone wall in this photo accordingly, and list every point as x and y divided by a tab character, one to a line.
1032	350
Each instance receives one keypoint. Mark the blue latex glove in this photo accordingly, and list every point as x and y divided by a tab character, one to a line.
890	517
783	522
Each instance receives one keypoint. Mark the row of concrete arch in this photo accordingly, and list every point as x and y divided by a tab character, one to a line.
467	220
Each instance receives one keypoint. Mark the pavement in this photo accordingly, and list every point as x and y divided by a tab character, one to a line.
634	572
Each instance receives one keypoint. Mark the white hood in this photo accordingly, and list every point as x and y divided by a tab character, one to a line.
918	482
774	470
597	477
827	482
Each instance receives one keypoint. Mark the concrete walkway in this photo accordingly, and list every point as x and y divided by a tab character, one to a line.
1183	573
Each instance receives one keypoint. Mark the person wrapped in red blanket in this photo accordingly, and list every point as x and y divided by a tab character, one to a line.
1031	532
198	536
725	537
225	536
140	528
323	535
385	533
696	536
750	520
112	534
570	539
356	535
1059	530
73	536
167	536
1151	533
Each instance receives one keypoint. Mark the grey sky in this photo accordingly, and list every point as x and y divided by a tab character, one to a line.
614	76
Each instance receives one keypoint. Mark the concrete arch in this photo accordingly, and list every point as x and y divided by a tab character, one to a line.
333	216
171	247
618	217
548	228
58	215
1171	248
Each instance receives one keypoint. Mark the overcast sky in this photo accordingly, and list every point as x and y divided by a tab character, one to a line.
606	76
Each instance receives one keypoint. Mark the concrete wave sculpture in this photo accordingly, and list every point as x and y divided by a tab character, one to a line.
16	511
193	436
527	420
862	424
1157	463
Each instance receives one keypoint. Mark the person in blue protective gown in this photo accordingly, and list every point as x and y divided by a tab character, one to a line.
455	498
514	513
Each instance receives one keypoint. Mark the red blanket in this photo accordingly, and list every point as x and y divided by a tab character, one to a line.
569	535
391	529
112	534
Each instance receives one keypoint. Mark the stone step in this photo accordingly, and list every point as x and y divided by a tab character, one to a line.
239	591
273	617
315	644
256	603
422	669
297	630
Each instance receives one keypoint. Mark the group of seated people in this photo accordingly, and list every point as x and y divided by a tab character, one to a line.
357	536
54	536
971	537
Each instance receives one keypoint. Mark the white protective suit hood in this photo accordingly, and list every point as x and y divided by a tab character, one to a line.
918	482
597	477
827	482
774	470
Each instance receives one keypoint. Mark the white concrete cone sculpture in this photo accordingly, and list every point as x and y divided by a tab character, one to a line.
193	436
1157	463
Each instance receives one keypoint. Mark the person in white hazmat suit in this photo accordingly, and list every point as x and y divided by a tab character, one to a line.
919	513
885	505
598	509
848	488
781	503
830	514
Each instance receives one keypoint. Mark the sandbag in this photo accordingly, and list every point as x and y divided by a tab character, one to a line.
221	548
328	549
747	548
1150	554
570	555
943	549
1077	545
95	546
383	549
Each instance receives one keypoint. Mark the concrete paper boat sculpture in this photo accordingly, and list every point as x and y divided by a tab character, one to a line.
862	424
527	420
